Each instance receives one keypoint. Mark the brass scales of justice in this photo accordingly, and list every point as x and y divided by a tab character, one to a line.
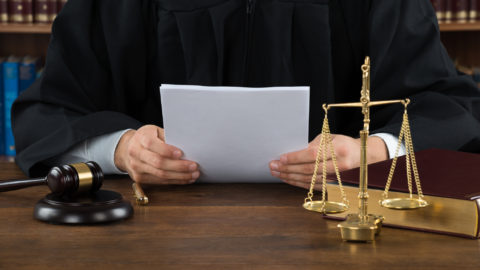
364	226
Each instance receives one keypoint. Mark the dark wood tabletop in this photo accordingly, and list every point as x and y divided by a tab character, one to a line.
212	226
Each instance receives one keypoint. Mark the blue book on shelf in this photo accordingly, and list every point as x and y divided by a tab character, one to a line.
2	126
10	93
27	72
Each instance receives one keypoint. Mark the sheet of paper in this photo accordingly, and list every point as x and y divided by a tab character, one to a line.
234	132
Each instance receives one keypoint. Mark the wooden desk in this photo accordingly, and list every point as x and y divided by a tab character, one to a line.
212	226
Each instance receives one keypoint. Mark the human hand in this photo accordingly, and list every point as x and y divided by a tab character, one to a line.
146	157
296	168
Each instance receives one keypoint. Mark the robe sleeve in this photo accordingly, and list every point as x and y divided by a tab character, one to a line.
408	60
77	96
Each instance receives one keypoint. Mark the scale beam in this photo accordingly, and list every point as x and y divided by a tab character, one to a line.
368	104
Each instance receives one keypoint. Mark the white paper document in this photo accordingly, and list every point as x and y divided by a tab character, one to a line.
234	132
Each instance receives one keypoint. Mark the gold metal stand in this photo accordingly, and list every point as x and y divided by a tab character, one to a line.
364	226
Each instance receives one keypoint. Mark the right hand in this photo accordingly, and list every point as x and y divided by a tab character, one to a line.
146	157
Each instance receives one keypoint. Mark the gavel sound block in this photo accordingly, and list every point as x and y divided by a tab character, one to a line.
76	197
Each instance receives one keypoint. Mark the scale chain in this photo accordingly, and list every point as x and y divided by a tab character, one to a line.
408	137
337	171
411	164
394	161
325	141
317	163
408	154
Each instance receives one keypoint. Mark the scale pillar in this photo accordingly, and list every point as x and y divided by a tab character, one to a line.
363	193
361	227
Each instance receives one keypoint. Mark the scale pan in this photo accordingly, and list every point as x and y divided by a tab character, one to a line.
325	207
403	203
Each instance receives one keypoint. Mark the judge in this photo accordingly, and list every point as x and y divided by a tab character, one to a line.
98	97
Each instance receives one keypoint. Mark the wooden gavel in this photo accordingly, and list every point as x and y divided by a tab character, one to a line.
70	179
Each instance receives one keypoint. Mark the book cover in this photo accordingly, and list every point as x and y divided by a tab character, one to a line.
27	72
461	11
439	6
28	11
3	11
474	10
51	10
478	10
450	181
449	10
2	128
41	11
10	93
15	11
60	4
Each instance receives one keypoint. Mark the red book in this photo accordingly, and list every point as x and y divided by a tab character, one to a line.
15	11
60	4
41	11
28	11
439	6
51	10
449	10
450	181
474	10
461	11
3	11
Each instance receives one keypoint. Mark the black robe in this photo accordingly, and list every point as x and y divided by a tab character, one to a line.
107	59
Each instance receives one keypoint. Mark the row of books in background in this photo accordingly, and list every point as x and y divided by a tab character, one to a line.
457	11
16	75
29	11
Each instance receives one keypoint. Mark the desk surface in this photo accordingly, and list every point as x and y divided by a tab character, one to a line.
212	226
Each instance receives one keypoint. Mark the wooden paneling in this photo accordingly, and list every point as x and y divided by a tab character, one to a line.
22	44
463	46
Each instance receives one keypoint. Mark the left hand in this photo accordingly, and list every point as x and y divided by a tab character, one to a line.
296	168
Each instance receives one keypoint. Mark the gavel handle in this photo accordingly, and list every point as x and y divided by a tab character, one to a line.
18	184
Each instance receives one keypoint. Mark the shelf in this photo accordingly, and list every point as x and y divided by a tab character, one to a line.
16	28
46	28
458	27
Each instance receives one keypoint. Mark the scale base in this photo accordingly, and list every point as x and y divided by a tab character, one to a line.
358	230
100	207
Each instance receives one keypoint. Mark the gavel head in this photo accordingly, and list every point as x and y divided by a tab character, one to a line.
75	178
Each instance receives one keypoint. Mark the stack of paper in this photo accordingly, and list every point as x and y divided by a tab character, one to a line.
234	132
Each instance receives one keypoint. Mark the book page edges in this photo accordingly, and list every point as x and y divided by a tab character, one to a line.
443	215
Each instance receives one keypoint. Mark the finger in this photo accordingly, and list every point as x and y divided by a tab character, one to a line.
171	175
160	162
161	133
293	176
144	173
307	155
156	145
305	168
153	180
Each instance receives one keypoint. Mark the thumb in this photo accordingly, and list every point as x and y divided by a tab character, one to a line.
161	133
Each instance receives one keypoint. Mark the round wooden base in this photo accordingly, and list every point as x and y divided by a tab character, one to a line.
99	207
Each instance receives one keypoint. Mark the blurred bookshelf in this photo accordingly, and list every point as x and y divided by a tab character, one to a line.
462	41
24	39
452	27
31	28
